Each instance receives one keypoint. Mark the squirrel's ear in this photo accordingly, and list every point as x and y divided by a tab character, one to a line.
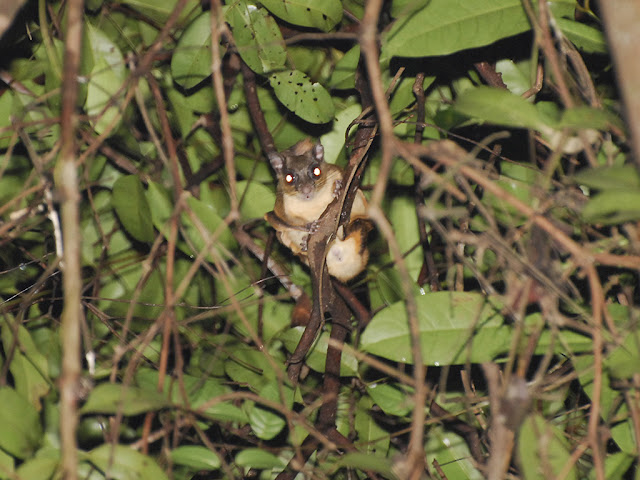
277	162
318	152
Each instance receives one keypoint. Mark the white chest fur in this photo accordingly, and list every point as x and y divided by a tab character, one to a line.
302	209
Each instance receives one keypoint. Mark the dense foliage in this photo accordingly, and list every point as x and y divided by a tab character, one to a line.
509	233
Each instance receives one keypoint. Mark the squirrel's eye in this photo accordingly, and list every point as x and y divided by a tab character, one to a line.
288	178
317	172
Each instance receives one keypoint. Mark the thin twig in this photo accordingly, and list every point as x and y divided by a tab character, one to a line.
218	25
370	52
66	180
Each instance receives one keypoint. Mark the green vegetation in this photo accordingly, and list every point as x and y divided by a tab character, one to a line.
505	255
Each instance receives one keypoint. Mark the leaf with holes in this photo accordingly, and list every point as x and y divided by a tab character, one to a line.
309	101
257	36
191	62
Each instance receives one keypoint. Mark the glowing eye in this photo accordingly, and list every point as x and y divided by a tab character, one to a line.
288	178
317	172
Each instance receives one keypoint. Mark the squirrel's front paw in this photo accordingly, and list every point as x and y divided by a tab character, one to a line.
304	244
336	188
312	227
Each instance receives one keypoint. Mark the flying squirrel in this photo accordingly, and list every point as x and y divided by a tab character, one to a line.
306	186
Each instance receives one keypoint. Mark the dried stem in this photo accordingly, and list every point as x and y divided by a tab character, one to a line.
370	53
218	25
621	20
66	180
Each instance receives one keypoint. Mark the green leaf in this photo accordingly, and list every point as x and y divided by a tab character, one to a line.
585	37
211	223
609	178
159	201
105	81
616	466
588	117
35	116
258	459
320	14
610	399
565	342
267	423
40	468
611	207
28	366
405	7
130	400
452	454
563	8
53	75
196	457
91	429
256	199
393	399
276	316
517	76
130	204
124	463
310	101
455	327
191	62
160	11
367	462
372	438
316	358
257	36
402	214
334	141
183	116
344	73
200	391
500	107
623	361
623	433
21	432
447	26
403	95
542	447
7	465
6	100
503	211
248	366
